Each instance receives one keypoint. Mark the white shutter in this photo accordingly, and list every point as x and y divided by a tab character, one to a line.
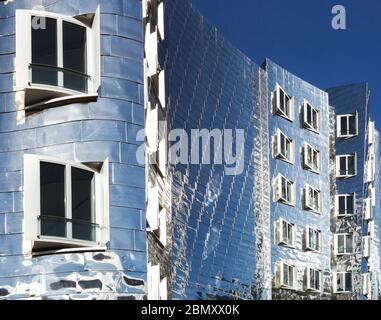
371	132
294	278
305	155
151	127
305	112
277	143
162	89
153	208
160	20
337	205
151	50
335	244
307	237
293	235
163	156
292	108
338	125
337	166
145	8
163	289
153	282
371	228
368	209
369	171
277	188
355	156
280	230
308	281
373	196
366	284
366	246
163	226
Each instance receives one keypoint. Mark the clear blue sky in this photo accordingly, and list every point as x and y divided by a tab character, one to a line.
297	34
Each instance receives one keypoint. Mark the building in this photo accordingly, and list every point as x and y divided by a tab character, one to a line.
143	156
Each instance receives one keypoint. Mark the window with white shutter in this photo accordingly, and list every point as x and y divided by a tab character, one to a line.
283	147
347	125
312	199
311	158
345	204
311	117
346	166
283	104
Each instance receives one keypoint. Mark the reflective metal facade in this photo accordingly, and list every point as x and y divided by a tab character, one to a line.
217	253
348	100
297	215
80	132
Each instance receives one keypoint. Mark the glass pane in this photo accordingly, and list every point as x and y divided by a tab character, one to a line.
340	282
309	114
82	188
343	166
352	125
282	105
349	244
348	281
351	165
341	201
344	126
340	244
74	56
52	199
285	275
44	51
315	119
350	205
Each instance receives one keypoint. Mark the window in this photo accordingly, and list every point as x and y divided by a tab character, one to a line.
157	287
57	57
310	117
284	190
313	239
347	125
66	204
312	199
314	280
283	104
346	166
286	275
311	158
344	244
345	204
286	233
343	282
283	147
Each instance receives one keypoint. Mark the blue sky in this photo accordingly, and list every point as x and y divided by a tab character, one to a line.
297	34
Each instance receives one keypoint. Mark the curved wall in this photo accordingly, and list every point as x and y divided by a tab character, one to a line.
86	132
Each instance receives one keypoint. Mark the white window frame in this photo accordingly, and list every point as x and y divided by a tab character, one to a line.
371	231
308	282
315	153
306	124
24	59
307	239
335	278
337	202
371	132
278	196
277	109
337	235
307	206
347	156
32	238
288	240
277	149
280	275
338	122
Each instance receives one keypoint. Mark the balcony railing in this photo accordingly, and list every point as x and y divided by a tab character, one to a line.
52	226
58	77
